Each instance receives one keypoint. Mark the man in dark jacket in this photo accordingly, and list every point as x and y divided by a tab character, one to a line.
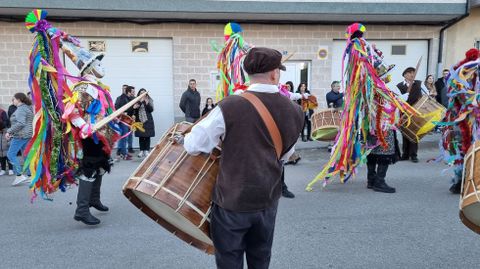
121	101
190	102
414	89
335	97
441	86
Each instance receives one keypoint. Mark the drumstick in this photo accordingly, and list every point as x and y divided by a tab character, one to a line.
288	57
415	74
117	112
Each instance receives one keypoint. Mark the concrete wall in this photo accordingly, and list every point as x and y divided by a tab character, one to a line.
461	37
193	57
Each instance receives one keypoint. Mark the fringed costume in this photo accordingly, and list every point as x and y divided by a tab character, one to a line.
66	108
462	120
371	108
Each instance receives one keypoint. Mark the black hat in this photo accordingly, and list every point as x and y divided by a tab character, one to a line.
408	69
262	60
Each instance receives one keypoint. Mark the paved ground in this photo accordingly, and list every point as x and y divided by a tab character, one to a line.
342	226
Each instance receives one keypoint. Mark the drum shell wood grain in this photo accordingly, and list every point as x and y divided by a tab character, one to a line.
326	124
182	182
425	105
470	195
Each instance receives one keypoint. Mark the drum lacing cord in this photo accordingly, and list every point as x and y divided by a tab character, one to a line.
198	178
470	179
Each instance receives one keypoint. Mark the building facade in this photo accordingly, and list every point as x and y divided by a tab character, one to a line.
160	45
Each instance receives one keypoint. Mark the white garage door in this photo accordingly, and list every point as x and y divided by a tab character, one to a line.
150	69
405	53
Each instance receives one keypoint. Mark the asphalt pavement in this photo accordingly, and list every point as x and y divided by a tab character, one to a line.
340	226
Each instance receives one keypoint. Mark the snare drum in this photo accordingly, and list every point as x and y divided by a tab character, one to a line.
174	189
470	196
326	124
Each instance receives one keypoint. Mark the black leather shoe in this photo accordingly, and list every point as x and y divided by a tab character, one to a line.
304	139
100	207
383	187
287	194
404	158
88	219
456	188
414	160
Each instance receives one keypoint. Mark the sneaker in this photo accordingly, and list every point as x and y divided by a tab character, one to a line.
140	155
19	179
2	172
127	157
10	172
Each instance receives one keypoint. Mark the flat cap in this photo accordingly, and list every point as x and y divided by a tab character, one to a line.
408	69
262	60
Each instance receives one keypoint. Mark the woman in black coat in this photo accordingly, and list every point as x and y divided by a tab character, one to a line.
143	113
302	89
208	106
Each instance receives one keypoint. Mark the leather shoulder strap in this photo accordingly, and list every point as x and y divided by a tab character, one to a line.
268	120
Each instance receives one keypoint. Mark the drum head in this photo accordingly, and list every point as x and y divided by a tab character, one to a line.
470	216
326	133
172	217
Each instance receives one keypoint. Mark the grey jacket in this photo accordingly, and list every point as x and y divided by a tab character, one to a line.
22	122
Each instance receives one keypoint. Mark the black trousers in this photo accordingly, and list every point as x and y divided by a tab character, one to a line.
144	143
307	124
409	148
3	163
237	233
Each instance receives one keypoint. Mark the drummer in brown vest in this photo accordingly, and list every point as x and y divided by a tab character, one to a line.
248	185
410	148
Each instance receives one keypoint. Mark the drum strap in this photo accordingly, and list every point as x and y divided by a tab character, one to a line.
268	120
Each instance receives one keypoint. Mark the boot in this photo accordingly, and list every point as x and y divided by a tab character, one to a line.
83	201
456	188
95	197
371	174
379	184
285	192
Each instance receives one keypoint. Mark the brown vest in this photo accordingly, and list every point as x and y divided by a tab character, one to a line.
250	174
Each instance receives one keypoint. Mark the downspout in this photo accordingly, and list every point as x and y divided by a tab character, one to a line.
442	34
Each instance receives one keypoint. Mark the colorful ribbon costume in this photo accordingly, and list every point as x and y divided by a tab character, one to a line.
65	106
370	107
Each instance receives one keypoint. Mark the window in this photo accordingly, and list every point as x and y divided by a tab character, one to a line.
399	49
477	44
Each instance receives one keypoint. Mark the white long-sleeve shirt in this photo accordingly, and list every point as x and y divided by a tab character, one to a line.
206	134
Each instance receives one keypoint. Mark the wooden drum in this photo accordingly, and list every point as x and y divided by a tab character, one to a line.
326	124
420	125
470	196
174	189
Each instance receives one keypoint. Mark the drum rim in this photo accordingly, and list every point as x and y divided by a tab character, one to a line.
472	226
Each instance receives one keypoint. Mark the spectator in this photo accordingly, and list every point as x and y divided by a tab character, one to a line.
430	86
4	124
442	87
208	106
11	109
130	136
190	102
290	86
143	114
302	89
335	97
19	133
121	101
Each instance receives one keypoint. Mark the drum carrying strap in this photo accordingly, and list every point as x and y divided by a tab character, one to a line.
268	120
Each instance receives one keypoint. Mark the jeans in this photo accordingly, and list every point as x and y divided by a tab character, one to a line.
122	144
130	141
16	144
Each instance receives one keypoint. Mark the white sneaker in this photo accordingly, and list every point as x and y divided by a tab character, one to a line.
10	172
2	172
140	155
19	179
